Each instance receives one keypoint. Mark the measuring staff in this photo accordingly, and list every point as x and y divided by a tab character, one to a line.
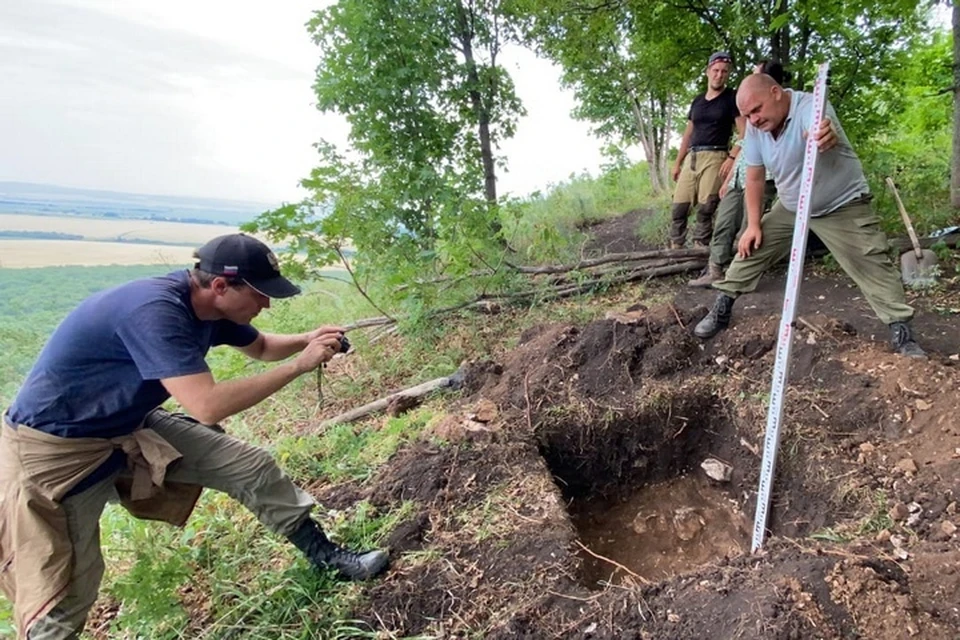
835	206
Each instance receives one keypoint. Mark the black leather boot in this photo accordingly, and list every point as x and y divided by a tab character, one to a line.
717	320
901	337
311	540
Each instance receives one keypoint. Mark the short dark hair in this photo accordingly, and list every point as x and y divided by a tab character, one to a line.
774	69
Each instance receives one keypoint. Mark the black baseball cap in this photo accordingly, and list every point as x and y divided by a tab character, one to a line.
719	56
242	256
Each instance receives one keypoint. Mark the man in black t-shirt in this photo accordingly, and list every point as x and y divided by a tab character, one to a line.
705	157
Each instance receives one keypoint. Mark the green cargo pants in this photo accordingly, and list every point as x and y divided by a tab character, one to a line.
730	222
852	234
212	459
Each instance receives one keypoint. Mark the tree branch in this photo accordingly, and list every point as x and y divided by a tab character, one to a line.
353	276
677	254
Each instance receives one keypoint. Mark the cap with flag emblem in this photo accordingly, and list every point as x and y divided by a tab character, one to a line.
241	256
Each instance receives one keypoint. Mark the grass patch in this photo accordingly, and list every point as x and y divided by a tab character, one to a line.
347	452
548	226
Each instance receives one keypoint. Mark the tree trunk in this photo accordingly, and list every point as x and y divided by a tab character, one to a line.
955	158
780	40
665	139
799	75
646	133
481	112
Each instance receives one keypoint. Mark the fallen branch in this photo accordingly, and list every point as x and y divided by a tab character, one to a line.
452	381
671	254
370	322
563	290
616	269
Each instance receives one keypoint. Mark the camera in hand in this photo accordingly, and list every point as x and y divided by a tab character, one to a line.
344	344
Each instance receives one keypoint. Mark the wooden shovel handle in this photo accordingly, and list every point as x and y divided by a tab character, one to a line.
906	220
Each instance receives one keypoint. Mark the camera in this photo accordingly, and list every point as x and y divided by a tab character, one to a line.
344	344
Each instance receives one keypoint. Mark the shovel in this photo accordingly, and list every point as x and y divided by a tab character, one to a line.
918	268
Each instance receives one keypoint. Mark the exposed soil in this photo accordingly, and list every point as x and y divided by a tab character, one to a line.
562	496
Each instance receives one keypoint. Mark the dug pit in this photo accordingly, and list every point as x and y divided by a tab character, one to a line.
658	531
637	494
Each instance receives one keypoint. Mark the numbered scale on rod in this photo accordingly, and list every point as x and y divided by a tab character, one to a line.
771	439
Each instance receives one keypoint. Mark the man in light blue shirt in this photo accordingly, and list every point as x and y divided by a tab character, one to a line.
841	215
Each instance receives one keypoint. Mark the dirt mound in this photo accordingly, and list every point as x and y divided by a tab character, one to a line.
533	495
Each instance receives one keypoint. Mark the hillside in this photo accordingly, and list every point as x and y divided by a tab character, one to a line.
561	493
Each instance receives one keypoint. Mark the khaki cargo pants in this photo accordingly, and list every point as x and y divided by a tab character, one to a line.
697	187
852	234
212	459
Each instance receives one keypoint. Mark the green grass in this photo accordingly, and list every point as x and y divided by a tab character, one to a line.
547	227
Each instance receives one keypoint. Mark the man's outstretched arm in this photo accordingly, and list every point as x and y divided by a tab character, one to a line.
271	347
210	401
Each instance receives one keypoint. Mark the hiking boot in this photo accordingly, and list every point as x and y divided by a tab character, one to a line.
350	565
717	320
901	338
713	273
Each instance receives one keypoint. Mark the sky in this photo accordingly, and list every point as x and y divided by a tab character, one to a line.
209	98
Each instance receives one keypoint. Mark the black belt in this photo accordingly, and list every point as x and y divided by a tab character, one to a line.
708	147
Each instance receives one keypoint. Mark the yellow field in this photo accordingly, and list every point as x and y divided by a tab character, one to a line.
110	229
50	253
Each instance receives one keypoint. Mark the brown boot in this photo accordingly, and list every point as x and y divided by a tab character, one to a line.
713	273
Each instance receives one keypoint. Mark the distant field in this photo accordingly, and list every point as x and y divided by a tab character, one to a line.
18	254
115	229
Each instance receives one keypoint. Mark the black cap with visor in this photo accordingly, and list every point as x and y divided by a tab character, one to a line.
241	256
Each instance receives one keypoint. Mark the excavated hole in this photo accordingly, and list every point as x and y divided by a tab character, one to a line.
637	494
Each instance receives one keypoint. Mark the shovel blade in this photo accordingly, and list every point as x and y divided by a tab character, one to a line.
920	271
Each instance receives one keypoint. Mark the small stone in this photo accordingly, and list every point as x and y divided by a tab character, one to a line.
672	617
717	470
923	405
486	411
626	317
948	527
900	554
883	536
643	522
904	602
897	541
590	629
955	356
867	447
899	511
687	523
952	508
907	465
722	360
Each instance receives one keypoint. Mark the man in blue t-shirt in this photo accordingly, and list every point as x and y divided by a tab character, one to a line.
121	353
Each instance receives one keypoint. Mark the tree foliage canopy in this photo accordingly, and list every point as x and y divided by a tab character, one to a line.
420	84
428	102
